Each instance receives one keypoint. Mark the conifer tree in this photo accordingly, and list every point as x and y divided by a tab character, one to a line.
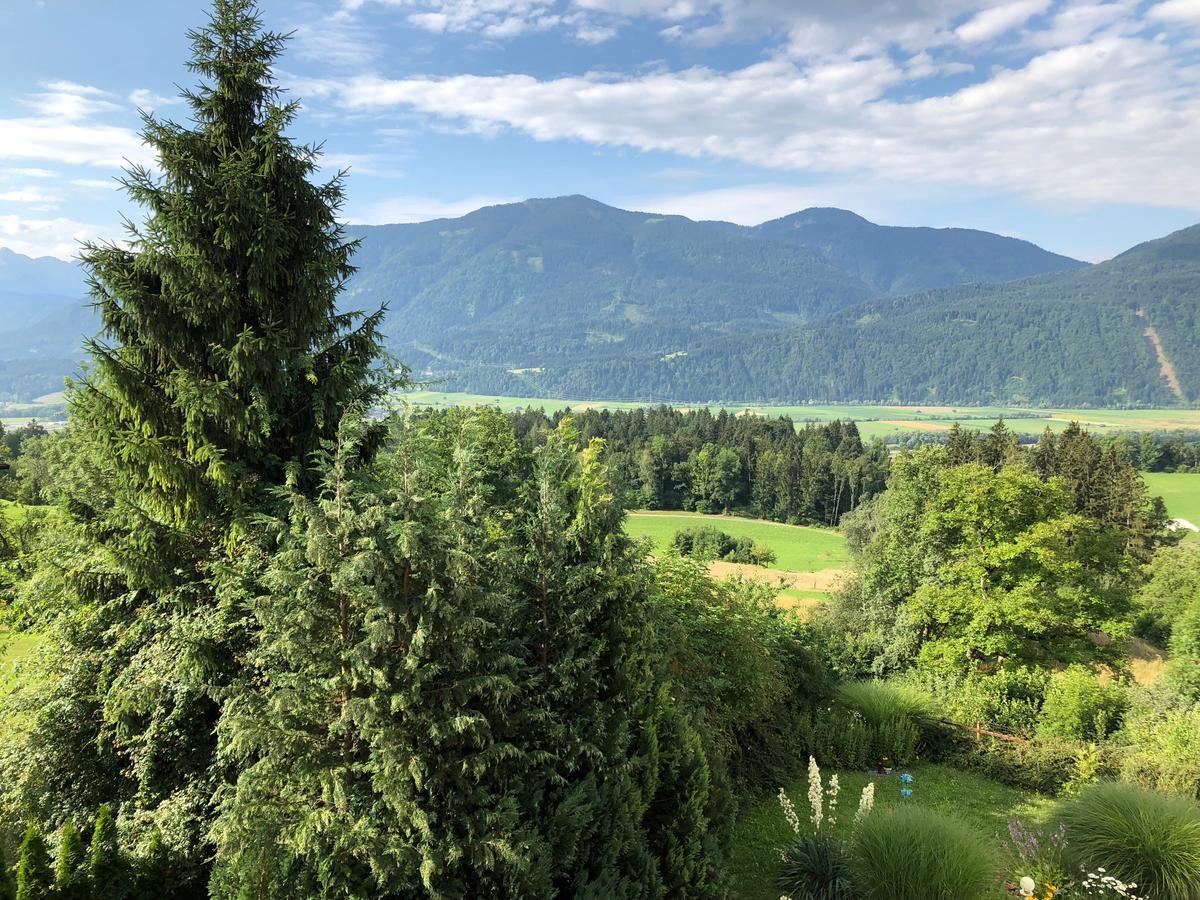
452	772
71	867
592	693
222	361
106	869
35	878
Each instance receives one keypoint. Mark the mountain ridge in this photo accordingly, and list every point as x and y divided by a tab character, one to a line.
569	296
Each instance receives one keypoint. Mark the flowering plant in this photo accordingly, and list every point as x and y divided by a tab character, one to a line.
1041	856
1100	884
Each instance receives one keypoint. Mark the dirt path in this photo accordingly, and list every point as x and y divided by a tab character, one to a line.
1165	366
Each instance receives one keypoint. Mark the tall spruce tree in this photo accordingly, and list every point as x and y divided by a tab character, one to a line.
222	360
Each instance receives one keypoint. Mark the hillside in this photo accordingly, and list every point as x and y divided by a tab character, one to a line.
893	260
527	284
570	297
1078	337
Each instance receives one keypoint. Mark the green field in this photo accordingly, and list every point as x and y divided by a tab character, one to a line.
1181	492
984	804
797	548
873	420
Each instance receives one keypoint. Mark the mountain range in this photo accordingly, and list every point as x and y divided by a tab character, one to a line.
570	297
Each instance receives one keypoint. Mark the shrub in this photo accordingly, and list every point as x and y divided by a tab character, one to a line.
835	737
706	543
1007	700
816	868
1079	708
1165	754
1137	836
1043	767
915	854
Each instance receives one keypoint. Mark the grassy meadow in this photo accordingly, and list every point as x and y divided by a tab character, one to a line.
873	420
798	548
1179	490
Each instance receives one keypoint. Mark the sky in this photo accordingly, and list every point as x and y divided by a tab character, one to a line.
1071	123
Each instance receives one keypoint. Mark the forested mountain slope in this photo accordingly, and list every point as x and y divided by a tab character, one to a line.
1077	337
527	284
893	260
570	297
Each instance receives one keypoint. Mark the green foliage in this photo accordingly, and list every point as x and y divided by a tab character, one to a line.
1138	837
912	853
740	665
1042	767
881	702
8	888
1079	708
106	866
816	868
1008	700
223	363
35	878
1165	751
71	867
969	567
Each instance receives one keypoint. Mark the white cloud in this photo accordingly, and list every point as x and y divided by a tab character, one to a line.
28	195
67	128
1110	120
46	237
999	20
30	173
1182	11
421	209
144	98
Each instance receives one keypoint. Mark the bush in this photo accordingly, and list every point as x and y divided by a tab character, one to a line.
916	854
706	544
739	666
1165	752
1042	767
1079	708
835	737
1008	700
1137	836
816	868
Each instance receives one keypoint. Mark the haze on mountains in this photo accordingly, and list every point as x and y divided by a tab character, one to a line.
570	297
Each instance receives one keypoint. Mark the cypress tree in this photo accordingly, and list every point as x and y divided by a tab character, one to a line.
222	361
591	692
451	757
106	870
35	878
71	868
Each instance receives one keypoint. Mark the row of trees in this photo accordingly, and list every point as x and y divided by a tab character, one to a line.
664	458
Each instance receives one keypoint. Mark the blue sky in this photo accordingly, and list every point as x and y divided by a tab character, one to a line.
1072	123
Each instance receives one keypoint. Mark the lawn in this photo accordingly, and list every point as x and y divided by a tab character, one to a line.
1180	491
798	548
986	805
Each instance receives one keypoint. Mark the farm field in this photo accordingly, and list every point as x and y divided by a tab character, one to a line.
761	829
873	420
798	548
1181	492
